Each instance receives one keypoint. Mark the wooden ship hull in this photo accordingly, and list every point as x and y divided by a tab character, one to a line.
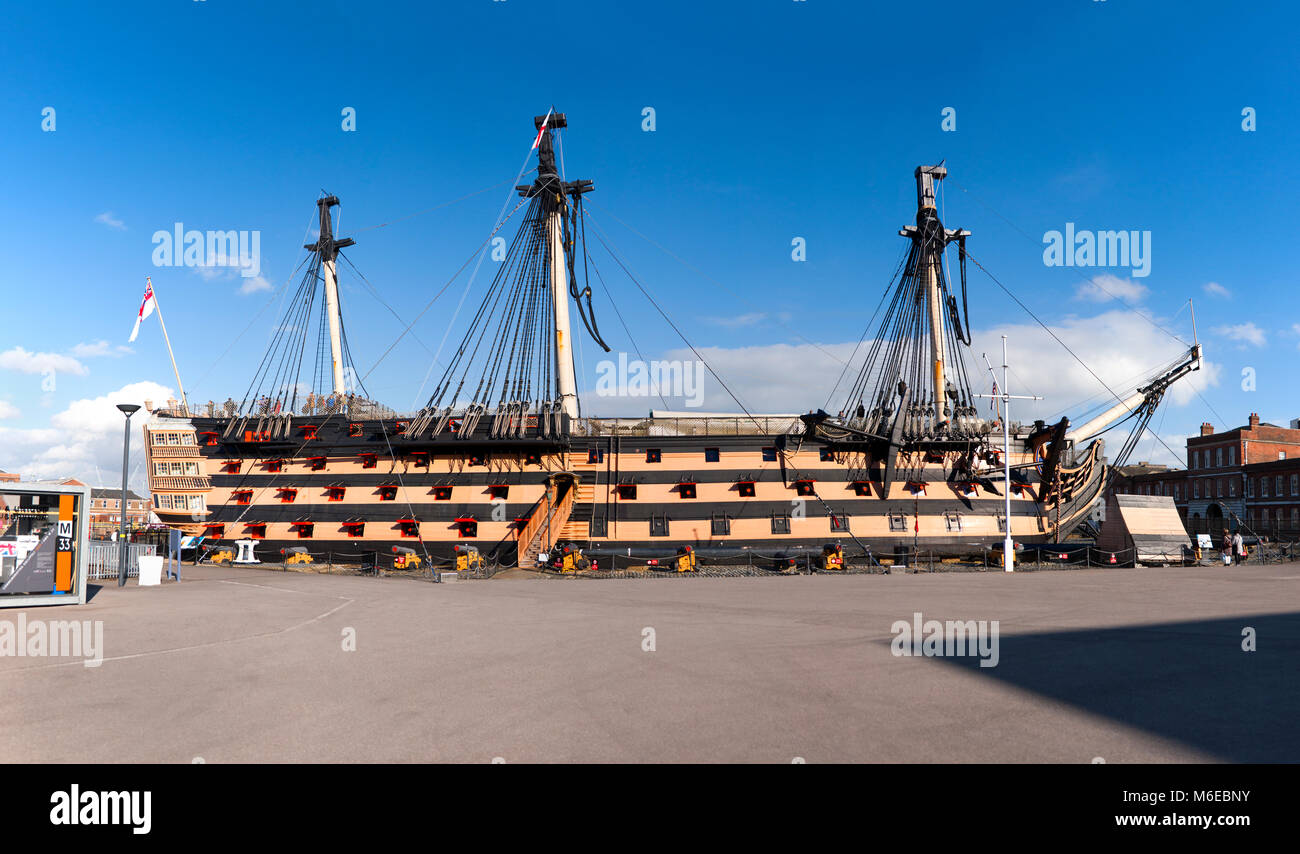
621	487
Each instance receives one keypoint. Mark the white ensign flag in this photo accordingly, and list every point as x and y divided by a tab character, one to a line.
146	306
541	130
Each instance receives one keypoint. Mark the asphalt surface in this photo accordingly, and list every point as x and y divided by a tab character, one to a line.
249	665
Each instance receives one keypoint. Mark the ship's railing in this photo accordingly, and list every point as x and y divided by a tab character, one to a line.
705	425
175	451
356	409
179	482
547	523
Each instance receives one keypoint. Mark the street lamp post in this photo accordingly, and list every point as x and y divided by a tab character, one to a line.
127	409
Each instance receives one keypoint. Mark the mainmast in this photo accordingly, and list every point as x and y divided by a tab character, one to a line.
925	207
328	248
555	192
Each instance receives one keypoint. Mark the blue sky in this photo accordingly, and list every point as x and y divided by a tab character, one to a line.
774	120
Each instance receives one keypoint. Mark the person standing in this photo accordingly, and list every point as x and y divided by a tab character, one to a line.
1227	548
1239	547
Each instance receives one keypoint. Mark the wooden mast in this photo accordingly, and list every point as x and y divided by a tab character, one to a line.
328	248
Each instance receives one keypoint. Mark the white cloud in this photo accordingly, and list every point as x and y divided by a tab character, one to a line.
26	362
83	441
1168	449
1243	334
254	284
92	349
219	266
1215	289
107	218
1107	287
8	410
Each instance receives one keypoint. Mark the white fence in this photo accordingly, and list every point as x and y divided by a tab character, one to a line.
104	556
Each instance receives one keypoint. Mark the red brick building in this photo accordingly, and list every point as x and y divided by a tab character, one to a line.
1249	473
106	511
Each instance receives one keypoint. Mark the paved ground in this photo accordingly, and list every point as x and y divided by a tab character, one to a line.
248	665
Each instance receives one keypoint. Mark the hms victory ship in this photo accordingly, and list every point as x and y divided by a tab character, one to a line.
503	458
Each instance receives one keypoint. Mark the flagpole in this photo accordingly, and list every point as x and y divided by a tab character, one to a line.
158	308
1005	397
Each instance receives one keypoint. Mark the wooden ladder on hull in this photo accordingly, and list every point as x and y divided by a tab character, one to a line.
578	526
547	525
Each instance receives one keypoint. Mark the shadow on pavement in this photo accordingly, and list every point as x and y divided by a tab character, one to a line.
1190	682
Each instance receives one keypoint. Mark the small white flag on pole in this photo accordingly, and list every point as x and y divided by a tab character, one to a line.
541	130
147	306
